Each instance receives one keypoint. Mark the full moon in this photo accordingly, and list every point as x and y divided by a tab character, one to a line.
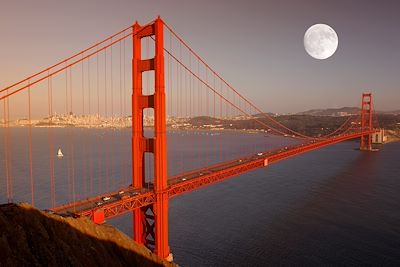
320	41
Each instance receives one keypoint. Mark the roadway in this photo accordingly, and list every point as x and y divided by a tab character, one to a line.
129	198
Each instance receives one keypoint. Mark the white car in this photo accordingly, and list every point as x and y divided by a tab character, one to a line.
106	198
259	154
183	179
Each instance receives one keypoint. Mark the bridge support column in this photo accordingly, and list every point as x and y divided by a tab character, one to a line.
366	121
150	224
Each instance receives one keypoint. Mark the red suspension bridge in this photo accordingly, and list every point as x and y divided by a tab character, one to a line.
91	104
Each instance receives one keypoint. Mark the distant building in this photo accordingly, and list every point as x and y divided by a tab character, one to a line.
379	137
342	113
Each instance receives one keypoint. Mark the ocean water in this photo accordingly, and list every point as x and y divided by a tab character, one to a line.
332	207
336	206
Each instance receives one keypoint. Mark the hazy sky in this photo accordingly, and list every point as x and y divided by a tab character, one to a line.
256	45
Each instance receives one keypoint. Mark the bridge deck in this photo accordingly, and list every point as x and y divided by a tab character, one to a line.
128	199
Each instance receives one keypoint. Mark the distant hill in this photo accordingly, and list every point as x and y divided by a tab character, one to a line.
331	111
394	112
341	112
261	115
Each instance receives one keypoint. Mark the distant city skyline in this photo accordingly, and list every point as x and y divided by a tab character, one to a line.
255	45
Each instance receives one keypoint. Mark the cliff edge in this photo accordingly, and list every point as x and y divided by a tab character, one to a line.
30	237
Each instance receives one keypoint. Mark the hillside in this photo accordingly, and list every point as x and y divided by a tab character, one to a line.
29	237
343	111
331	111
310	125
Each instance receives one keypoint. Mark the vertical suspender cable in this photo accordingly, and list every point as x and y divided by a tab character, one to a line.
99	176
51	140
112	121
30	148
5	145
125	159
84	149
90	139
106	143
72	143
68	152
120	140
9	145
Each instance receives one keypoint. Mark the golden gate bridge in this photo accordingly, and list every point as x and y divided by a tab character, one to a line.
148	80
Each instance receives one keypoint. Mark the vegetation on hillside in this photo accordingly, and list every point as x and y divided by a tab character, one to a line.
29	237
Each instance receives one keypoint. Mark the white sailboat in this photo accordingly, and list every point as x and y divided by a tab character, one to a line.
59	153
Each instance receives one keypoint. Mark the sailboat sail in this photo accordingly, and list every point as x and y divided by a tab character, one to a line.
59	153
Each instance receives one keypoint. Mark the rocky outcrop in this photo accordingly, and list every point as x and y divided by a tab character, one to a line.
29	237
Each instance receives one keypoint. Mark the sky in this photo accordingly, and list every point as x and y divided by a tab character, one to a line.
255	45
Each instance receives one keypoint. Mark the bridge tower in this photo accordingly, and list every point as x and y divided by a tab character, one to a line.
150	224
366	121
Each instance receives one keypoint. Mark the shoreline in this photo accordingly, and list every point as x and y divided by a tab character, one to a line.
391	137
169	128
